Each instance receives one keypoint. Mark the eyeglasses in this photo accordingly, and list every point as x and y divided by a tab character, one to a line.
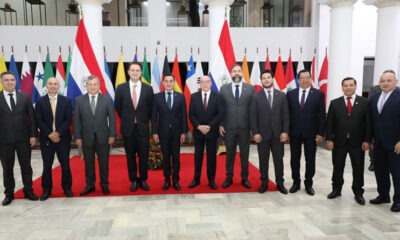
304	78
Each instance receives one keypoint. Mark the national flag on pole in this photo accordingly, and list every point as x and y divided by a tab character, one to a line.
280	81
323	77
67	73
155	73
60	75
48	73
199	73
146	72
223	59
314	72
245	70
111	94
166	70
177	74
26	77
289	75
3	67
191	86
267	63
38	80
84	63
255	75
300	66
120	78
13	69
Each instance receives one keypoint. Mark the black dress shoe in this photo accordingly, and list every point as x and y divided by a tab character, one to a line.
45	196
194	183
246	183
310	190
359	199
177	186
7	200
334	194
263	187
68	193
281	188
227	183
144	186
87	190
133	186
166	185
395	207
31	196
105	190
379	200
294	188
212	185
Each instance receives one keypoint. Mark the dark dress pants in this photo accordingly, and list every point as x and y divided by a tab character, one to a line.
277	149
310	147
232	138
170	148
211	149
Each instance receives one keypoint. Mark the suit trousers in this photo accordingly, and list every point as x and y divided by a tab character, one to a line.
389	163
170	148
232	137
310	148
211	149
62	149
339	154
277	149
137	144
7	153
103	154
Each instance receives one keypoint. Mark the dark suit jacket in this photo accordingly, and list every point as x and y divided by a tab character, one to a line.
124	107
44	117
86	124
374	90
236	115
17	125
310	120
211	116
164	119
270	123
386	125
357	125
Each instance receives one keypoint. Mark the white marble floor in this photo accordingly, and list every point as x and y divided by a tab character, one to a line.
206	216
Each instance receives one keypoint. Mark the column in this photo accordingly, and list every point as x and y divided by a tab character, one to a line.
387	51
340	40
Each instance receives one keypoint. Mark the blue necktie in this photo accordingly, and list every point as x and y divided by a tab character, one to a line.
237	94
169	101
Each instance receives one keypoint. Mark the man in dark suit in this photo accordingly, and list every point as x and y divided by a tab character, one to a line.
18	131
385	111
348	131
94	131
133	103
269	119
235	124
372	92
307	126
205	112
53	116
169	127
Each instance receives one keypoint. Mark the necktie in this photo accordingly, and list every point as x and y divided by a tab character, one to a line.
134	97
205	101
53	110
237	94
384	95
269	98
12	102
93	105
303	99
349	106
169	101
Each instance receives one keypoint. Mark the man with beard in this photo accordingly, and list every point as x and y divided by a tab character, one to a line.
235	125
269	119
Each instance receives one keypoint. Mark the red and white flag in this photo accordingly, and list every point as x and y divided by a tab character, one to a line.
267	63
60	75
280	81
314	72
289	75
26	77
323	77
255	75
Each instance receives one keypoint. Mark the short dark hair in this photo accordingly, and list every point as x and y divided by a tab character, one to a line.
236	65
7	73
267	71
169	75
91	77
304	71
135	63
349	78
390	71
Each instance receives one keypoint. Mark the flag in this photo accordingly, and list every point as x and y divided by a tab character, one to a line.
323	77
289	75
13	69
177	74
313	72
224	59
60	75
300	66
26	77
199	73
166	70
111	95
67	73
135	58
191	86
48	73
255	75
267	63
146	72
3	67
83	64
155	73
280	75
38	80
121	77
245	70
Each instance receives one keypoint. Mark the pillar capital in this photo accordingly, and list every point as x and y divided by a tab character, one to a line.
216	2
383	3
338	3
100	2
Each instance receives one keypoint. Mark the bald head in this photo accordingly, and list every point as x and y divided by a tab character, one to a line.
52	85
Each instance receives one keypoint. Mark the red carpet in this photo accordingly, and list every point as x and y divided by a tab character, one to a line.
119	181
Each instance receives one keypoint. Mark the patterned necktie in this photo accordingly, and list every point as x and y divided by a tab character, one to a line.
205	101
93	105
237	94
269	98
134	97
53	110
12	102
349	106
169	100
303	99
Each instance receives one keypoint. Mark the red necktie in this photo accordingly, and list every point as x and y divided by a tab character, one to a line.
349	106
205	101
